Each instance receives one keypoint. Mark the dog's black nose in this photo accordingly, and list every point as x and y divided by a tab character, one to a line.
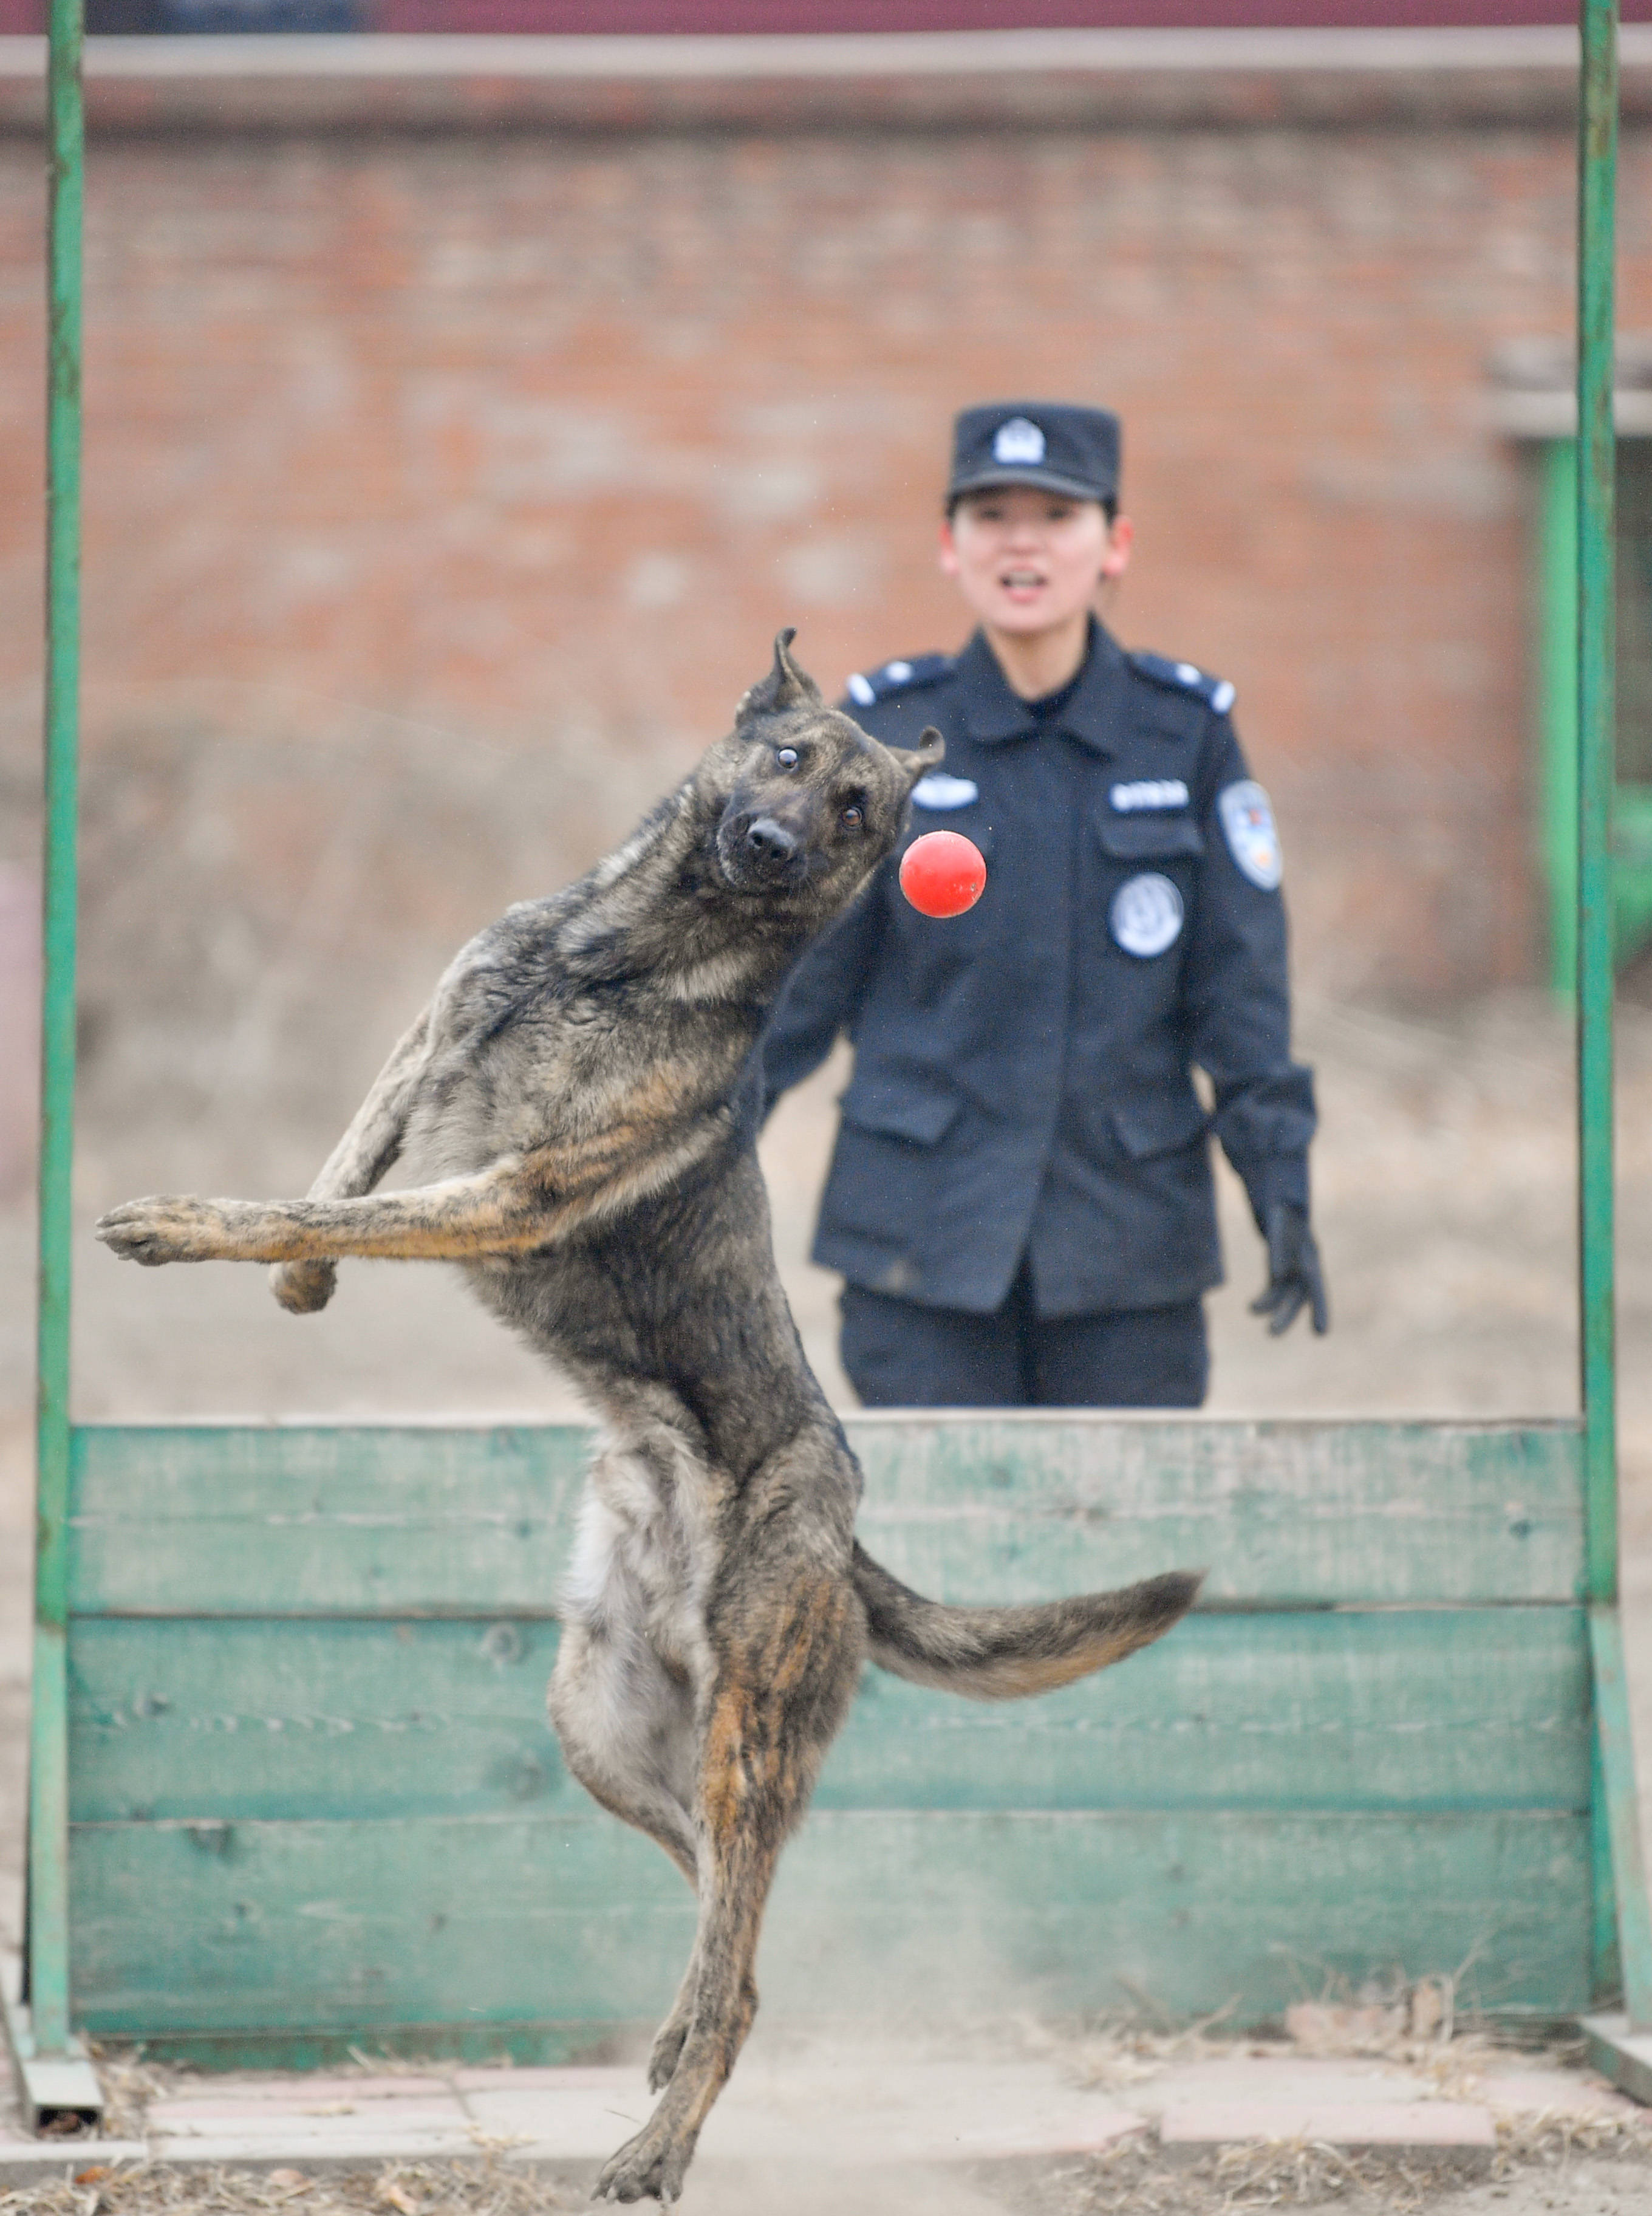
770	840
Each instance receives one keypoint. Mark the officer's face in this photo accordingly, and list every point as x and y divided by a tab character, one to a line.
1029	561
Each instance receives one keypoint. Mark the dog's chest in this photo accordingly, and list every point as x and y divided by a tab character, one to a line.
646	1550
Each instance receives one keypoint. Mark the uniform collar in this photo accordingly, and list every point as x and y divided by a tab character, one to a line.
993	713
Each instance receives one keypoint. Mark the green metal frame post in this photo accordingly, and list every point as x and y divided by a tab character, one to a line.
1557	616
1617	1859
1596	730
48	1814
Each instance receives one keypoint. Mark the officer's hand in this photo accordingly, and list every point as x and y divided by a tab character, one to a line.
1295	1280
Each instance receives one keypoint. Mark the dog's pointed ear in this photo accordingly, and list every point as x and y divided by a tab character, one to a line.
929	754
787	685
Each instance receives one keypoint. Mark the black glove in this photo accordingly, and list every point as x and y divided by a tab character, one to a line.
1295	1280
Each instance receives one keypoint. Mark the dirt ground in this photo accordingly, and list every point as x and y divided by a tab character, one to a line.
1446	1204
1566	2181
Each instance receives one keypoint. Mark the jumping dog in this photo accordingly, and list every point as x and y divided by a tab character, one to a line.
585	1084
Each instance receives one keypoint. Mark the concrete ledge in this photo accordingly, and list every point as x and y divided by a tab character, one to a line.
936	81
44	2161
1433	2127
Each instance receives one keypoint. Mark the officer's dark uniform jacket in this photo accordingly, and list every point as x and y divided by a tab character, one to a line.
1022	1082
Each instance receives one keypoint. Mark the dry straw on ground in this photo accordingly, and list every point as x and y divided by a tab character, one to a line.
487	2188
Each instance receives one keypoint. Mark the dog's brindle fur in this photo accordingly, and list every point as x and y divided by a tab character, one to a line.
585	1082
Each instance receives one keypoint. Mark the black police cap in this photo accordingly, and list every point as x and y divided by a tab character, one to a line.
1036	442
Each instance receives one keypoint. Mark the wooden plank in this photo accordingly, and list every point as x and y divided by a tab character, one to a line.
397	1520
249	1519
1027	1503
1419	1709
234	1718
1452	1708
472	1920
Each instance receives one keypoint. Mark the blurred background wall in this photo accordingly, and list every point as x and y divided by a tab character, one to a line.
466	466
461	421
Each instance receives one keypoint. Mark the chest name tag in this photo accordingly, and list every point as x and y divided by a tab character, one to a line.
1247	816
1146	915
939	791
1149	793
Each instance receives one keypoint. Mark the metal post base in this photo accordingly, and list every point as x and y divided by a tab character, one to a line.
55	2086
1621	2054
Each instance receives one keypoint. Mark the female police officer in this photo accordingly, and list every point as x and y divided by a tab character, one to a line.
1021	1198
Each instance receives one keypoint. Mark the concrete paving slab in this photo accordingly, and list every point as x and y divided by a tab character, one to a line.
1434	2124
511	2077
838	2117
259	2112
43	2162
379	2143
1291	2078
850	2117
576	2121
437	2086
838	2108
1551	2092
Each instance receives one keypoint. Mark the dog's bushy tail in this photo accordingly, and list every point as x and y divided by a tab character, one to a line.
1004	1653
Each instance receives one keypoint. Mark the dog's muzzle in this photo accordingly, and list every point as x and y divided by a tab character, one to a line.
758	851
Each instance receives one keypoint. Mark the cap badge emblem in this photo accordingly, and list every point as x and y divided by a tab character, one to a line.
1019	441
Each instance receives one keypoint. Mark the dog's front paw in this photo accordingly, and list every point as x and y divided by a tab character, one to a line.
650	2167
162	1228
302	1288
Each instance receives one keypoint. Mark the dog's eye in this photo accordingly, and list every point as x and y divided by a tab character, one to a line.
854	815
787	757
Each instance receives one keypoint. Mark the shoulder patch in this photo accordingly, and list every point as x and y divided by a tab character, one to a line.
1216	692
898	676
1247	816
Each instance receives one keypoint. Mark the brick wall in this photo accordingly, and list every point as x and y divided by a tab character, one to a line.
452	484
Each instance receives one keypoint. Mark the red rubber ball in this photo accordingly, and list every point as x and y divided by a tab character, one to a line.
943	873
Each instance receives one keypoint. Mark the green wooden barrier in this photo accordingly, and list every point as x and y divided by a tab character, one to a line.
290	1789
315	1802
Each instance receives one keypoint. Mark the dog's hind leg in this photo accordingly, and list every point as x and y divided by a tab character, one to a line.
624	1715
626	1728
774	1708
626	1725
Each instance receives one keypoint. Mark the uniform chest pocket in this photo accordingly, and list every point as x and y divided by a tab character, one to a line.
969	821
1157	834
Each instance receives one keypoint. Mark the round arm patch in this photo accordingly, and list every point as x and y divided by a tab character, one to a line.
1247	823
